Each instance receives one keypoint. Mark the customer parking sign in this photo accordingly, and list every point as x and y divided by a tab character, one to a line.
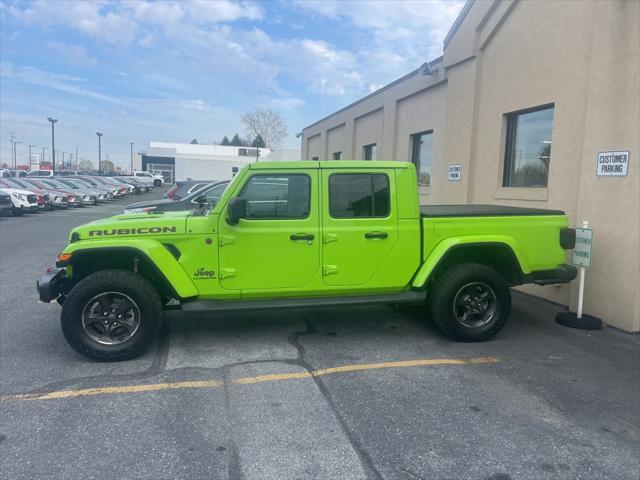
613	164
582	250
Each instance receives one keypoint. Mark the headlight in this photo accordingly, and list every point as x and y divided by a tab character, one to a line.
57	199
86	197
19	196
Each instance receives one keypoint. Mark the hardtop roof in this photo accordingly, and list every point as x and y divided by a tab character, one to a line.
334	164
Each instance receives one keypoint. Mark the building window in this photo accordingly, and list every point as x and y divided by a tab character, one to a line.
248	152
369	152
337	155
359	195
528	147
315	158
277	196
422	156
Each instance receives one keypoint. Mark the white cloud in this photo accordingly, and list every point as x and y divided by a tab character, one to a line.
120	22
61	82
74	54
88	17
398	36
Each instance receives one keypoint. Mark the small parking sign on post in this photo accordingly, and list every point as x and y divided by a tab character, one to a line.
582	259
582	250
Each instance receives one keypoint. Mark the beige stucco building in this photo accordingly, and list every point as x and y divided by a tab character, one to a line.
518	109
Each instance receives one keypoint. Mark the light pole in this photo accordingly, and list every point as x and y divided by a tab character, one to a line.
30	155
99	134
43	159
15	155
53	144
13	138
131	143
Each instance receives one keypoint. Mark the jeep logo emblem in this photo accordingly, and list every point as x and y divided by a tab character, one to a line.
204	274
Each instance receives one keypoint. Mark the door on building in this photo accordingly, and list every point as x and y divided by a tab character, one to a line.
359	225
277	245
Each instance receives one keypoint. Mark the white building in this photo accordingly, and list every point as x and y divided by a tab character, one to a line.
183	161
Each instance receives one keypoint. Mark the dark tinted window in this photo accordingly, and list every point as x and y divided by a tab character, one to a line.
528	148
358	195
370	152
277	196
421	156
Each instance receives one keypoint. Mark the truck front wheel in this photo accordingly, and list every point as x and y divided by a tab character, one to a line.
470	302
111	315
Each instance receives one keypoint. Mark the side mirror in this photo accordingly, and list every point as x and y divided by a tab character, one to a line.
236	210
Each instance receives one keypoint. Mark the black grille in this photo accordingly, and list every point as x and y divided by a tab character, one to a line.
32	198
5	200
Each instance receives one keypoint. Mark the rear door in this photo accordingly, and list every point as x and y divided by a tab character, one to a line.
359	225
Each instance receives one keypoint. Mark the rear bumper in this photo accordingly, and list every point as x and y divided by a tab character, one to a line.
560	274
50	285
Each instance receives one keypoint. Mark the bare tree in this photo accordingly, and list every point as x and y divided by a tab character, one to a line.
267	124
85	165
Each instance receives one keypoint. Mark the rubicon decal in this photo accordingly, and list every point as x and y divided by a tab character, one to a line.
132	231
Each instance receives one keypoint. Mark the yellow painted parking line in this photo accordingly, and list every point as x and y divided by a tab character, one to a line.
154	387
364	366
274	377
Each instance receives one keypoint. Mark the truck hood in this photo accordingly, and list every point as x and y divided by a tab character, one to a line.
132	225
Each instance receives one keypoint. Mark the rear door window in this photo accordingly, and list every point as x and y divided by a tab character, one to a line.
356	195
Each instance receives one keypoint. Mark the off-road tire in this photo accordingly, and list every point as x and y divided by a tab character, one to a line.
444	290
157	183
128	283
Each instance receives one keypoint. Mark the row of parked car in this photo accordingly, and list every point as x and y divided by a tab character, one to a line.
34	193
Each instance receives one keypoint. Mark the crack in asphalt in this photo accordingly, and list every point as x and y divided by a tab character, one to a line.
234	469
158	367
294	339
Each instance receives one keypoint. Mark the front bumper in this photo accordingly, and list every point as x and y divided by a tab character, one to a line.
560	274
51	284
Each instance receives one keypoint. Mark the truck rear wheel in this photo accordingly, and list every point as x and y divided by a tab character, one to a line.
111	315
470	302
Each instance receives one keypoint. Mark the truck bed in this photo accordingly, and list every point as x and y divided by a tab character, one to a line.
482	211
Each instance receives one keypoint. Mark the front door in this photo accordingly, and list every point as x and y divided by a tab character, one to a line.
277	245
359	225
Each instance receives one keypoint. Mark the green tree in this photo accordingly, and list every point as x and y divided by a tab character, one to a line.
225	141
194	142
235	141
258	142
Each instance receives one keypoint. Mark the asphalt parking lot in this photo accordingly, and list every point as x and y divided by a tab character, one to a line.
330	394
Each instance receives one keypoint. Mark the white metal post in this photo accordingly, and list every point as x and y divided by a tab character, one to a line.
585	224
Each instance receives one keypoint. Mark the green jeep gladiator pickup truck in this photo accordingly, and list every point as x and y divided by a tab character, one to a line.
303	234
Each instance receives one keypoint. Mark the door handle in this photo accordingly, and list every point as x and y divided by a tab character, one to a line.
302	236
376	235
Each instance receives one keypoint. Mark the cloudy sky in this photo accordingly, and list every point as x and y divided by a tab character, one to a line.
176	70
